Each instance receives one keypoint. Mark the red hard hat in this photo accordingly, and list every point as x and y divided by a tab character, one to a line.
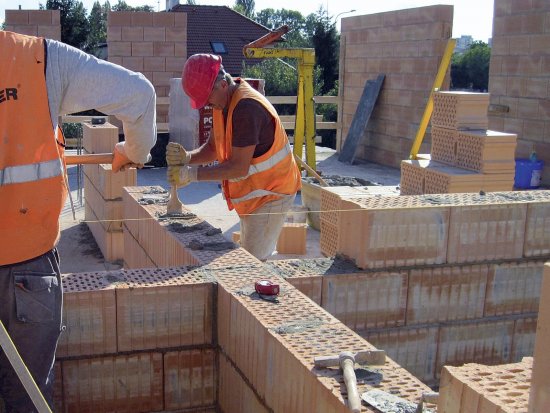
198	76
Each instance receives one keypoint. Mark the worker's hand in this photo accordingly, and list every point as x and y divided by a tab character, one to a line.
176	154
120	161
182	175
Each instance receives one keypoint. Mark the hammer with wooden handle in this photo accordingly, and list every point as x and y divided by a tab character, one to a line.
89	158
346	360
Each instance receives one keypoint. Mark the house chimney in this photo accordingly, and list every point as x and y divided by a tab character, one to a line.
171	3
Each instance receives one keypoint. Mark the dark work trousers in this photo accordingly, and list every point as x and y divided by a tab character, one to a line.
30	307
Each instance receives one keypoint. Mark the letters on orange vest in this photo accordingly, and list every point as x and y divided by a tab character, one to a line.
32	188
270	175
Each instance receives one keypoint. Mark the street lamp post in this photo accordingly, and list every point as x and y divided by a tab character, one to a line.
344	12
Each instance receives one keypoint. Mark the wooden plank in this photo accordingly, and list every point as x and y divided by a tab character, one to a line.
291	100
361	119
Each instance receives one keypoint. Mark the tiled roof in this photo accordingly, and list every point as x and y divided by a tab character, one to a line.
222	24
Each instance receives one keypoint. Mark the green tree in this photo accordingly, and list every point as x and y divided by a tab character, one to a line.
74	23
98	27
297	35
470	70
123	6
245	7
326	42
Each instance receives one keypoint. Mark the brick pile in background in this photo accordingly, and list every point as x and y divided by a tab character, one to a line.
519	73
42	23
465	156
103	191
428	317
154	44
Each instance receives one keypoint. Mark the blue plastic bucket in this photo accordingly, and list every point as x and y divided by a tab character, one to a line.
528	174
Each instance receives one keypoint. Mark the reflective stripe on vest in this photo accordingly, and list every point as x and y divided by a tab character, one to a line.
256	194
31	172
265	165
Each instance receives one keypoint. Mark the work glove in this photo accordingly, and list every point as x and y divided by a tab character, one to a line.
120	161
176	154
179	176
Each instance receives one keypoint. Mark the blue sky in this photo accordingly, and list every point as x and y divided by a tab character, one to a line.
471	17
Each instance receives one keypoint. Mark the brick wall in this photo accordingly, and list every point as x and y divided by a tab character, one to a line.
520	74
154	44
43	23
406	46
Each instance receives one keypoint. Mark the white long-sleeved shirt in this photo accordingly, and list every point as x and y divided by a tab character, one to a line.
77	82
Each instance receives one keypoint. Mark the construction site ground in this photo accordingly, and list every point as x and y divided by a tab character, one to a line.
80	253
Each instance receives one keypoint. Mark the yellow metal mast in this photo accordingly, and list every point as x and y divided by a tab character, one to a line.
430	105
304	129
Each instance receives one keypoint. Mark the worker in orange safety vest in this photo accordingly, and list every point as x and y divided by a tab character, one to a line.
259	175
40	80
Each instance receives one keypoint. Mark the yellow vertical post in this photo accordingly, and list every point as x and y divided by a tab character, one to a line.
299	125
443	66
306	67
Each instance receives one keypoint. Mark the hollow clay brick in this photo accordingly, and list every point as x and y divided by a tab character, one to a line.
490	342
369	300
539	400
125	383
513	288
190	379
441	294
163	313
99	138
486	232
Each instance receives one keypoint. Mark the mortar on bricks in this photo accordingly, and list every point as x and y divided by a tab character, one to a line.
311	194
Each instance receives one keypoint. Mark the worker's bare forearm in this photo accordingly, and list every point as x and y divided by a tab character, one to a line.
236	166
219	172
203	155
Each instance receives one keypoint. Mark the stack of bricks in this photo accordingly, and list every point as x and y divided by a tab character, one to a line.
465	156
154	44
103	191
138	340
475	388
42	23
428	317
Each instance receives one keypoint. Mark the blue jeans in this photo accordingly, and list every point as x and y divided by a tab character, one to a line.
30	307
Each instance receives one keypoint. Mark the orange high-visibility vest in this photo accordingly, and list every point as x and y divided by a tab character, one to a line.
32	188
270	175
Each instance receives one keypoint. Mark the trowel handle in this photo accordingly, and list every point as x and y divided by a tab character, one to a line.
354	401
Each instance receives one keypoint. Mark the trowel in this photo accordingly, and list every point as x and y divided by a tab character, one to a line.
390	403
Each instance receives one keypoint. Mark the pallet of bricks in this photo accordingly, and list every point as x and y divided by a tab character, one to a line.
465	156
